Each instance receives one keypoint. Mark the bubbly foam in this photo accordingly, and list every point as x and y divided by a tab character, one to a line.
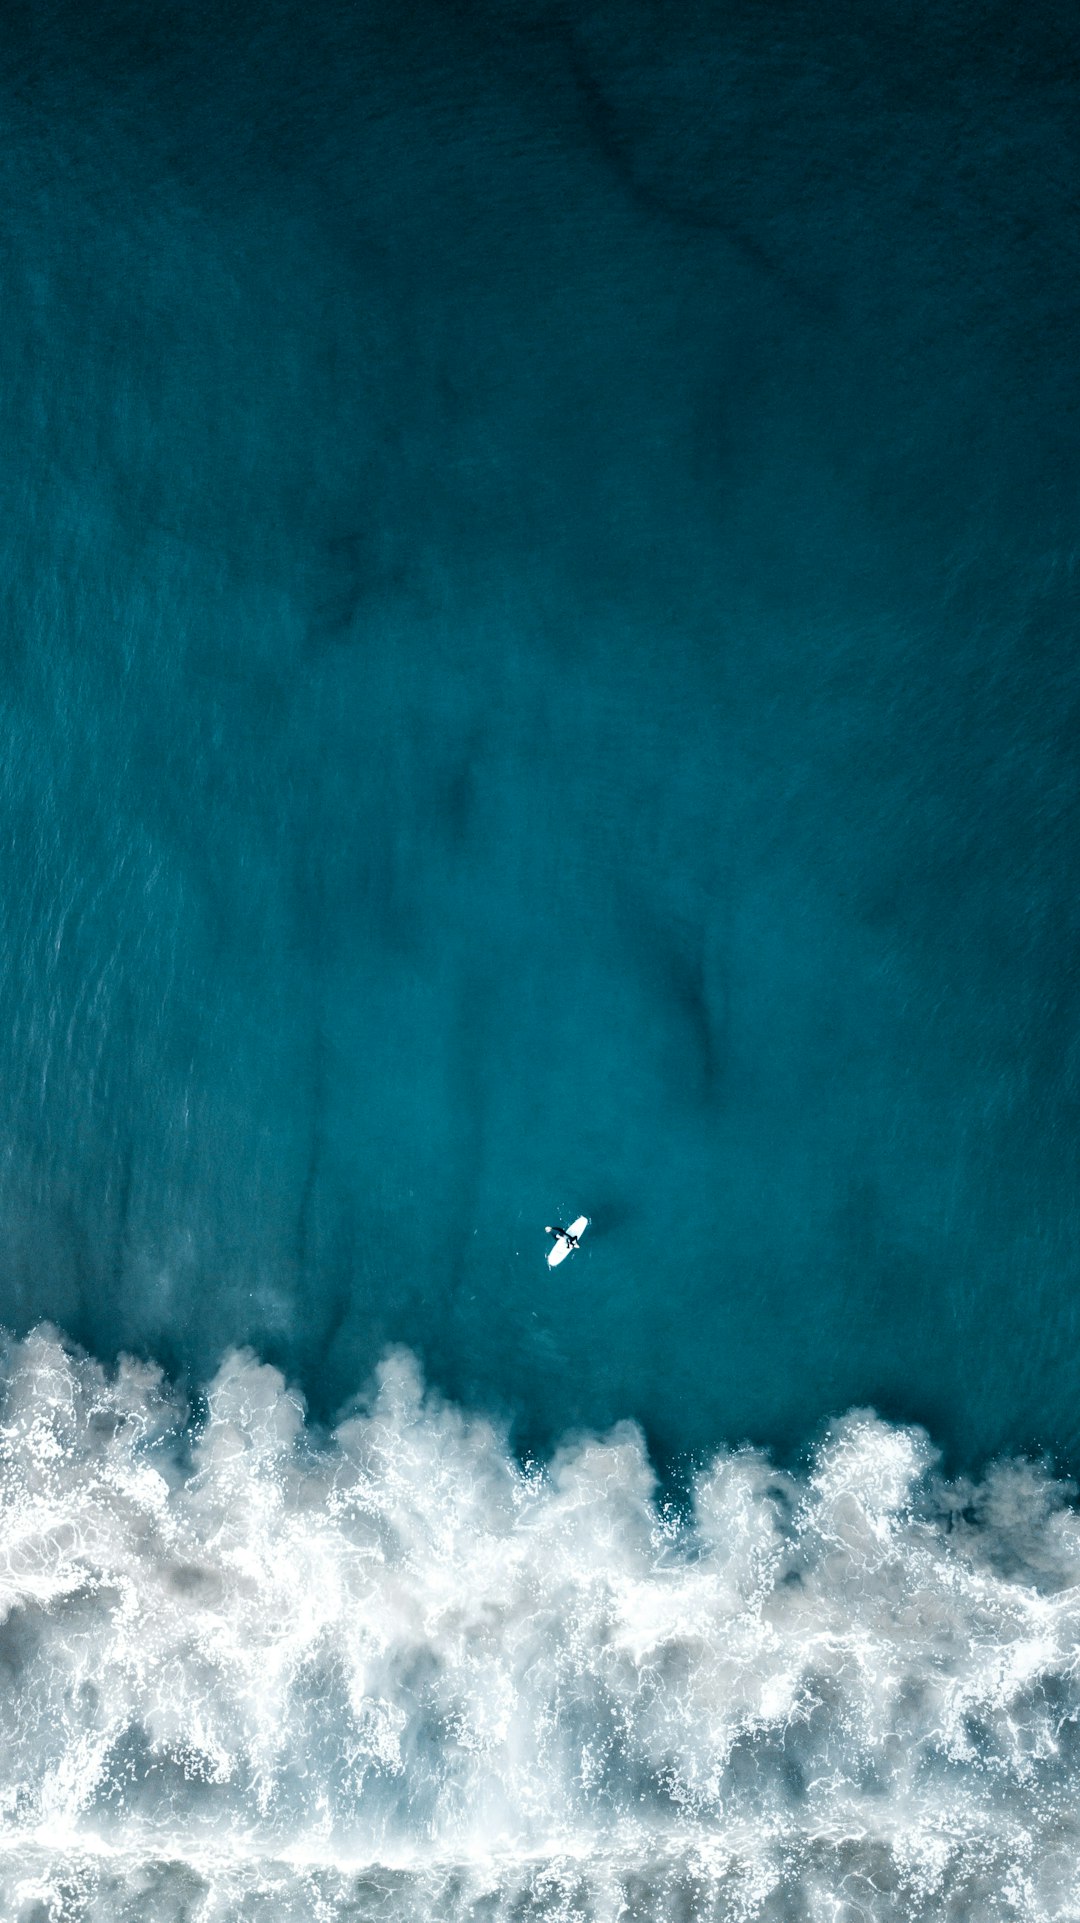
248	1671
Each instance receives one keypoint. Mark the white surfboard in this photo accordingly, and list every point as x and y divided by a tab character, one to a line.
560	1248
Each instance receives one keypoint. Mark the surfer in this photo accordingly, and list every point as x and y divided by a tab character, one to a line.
564	1235
566	1240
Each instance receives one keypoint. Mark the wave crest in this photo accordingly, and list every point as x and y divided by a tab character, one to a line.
251	1669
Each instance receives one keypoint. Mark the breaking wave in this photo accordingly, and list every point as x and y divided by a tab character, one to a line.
251	1671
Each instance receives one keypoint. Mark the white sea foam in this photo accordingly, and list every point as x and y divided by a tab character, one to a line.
249	1673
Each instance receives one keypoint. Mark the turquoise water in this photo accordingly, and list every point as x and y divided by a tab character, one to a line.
539	567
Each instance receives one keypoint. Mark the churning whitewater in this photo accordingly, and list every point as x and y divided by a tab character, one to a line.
254	1670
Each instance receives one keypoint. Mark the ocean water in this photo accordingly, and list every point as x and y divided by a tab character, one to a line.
539	574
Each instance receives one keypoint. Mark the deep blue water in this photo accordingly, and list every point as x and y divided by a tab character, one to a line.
539	672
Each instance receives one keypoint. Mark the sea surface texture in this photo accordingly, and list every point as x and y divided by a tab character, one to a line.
539	595
396	1673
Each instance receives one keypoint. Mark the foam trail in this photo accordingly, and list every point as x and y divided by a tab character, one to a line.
252	1672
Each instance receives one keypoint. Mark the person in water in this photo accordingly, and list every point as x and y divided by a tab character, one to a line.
564	1235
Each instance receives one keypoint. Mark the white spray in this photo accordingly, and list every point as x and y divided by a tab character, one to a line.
248	1672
